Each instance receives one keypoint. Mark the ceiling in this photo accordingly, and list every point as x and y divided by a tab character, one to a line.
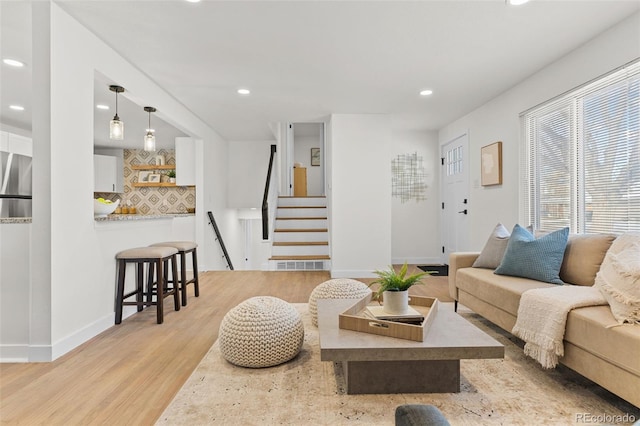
303	60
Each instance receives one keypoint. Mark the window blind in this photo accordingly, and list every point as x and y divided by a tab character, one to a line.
582	157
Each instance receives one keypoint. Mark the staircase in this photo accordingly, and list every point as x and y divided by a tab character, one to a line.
301	236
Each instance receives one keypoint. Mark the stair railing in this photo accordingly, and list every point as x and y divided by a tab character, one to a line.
219	239
269	194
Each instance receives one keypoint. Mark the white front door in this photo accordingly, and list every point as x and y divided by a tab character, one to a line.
455	196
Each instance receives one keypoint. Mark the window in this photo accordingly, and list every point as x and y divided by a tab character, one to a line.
581	163
454	161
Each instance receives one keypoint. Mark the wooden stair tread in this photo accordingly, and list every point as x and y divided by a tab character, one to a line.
302	257
302	230
301	243
301	218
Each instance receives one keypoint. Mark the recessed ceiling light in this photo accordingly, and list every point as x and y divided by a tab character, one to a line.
102	106
192	1
13	62
426	92
16	107
244	91
517	2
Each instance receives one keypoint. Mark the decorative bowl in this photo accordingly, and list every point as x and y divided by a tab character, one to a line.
102	209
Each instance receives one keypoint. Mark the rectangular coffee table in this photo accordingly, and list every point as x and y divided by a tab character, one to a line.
379	364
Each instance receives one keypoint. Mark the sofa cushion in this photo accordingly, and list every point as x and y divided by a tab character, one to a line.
583	256
619	345
539	259
619	278
498	290
493	251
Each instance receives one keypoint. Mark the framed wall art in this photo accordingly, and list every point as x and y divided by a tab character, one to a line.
491	164
143	176
315	156
154	178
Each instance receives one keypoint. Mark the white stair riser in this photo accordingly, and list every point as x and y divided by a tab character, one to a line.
302	201
299	250
300	236
301	224
302	212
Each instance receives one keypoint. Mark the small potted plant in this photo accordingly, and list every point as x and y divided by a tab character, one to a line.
394	288
172	176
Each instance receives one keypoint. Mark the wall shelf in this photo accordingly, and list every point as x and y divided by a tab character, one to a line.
153	167
139	184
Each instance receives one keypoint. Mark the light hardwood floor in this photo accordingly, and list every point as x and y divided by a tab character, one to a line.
131	372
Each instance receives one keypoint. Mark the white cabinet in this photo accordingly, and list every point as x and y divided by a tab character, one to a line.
4	141
108	174
185	162
20	145
16	144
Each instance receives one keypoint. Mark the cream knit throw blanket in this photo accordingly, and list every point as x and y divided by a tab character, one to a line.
542	316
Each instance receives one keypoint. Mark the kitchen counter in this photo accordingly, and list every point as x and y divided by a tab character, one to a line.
15	220
130	217
110	218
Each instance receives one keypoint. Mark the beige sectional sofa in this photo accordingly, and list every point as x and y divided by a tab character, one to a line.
608	356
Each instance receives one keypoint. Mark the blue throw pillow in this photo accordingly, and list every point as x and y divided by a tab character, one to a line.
539	259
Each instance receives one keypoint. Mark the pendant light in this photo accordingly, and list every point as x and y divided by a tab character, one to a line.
116	127
149	138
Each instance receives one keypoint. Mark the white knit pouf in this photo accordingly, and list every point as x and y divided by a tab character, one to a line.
261	332
338	288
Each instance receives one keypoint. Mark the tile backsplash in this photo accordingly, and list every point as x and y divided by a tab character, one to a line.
151	199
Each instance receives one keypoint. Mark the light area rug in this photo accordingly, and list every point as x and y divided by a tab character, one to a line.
306	391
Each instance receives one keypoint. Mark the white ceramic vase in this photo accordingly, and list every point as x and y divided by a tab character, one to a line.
395	302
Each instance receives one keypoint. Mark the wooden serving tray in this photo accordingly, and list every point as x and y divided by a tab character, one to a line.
356	319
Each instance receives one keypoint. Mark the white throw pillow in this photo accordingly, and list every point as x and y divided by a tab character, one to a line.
494	249
619	278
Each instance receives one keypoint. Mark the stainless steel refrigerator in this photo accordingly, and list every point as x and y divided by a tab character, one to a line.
15	185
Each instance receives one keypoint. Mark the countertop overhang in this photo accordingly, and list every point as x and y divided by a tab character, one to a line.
15	220
129	217
110	218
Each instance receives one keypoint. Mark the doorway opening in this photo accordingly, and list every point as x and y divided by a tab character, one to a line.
306	159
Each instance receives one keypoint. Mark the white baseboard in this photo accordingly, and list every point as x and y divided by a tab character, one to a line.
77	338
40	353
14	353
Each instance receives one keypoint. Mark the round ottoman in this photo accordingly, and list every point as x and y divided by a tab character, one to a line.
261	332
338	288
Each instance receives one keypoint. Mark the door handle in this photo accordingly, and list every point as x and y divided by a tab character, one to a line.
463	211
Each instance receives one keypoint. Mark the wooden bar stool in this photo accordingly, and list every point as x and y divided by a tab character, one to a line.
183	248
158	259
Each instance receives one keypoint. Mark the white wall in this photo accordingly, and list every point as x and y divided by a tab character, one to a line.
72	288
498	120
360	193
415	225
248	165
